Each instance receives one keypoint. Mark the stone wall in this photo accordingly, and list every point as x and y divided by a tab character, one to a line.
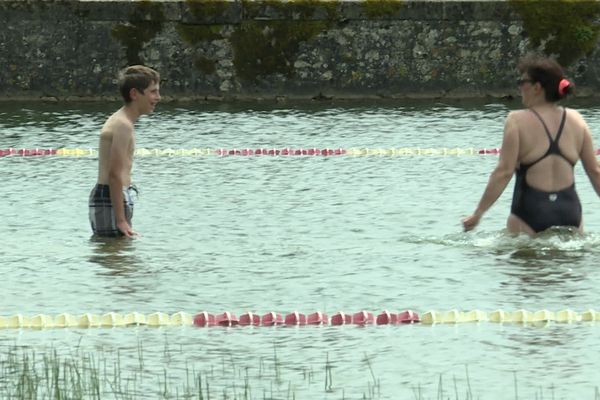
228	49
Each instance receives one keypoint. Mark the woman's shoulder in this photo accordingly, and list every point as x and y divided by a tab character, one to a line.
519	113
574	117
516	115
572	112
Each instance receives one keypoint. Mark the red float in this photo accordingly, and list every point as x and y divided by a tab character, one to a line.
387	318
204	319
363	318
295	318
408	317
227	319
249	318
317	318
341	318
271	319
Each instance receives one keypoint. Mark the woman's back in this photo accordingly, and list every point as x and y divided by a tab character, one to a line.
542	143
554	171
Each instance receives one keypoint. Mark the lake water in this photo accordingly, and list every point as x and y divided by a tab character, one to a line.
300	233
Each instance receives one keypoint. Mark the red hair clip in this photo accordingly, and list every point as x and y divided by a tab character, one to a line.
562	85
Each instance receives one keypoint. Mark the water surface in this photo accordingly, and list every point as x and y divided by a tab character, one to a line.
302	233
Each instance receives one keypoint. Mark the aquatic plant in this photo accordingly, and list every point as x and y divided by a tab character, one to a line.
27	373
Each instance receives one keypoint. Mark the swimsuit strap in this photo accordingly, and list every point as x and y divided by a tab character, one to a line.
560	128
553	148
562	125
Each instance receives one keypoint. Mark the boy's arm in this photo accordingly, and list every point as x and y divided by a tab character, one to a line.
117	169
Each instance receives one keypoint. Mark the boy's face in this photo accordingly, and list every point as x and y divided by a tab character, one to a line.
147	100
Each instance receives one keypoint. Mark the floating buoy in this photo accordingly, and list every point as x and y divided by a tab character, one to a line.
89	321
567	316
226	319
42	321
408	317
181	318
500	316
475	316
452	317
590	315
112	319
249	318
341	318
522	316
158	319
18	321
272	318
135	319
363	318
542	316
432	317
204	319
317	318
65	321
295	318
386	318
286	151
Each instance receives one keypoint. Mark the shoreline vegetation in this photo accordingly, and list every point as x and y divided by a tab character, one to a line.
27	373
46	373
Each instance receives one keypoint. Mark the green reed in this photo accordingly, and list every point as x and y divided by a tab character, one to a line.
27	373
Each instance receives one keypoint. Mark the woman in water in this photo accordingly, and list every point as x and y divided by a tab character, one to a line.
542	143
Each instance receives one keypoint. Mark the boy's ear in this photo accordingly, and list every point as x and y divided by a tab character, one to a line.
133	93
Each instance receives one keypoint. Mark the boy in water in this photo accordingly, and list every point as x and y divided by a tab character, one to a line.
110	203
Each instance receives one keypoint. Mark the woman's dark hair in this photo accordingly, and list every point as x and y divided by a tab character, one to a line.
549	74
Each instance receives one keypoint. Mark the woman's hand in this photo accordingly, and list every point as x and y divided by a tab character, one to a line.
471	222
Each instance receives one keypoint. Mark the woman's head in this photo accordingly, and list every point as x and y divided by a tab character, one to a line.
548	73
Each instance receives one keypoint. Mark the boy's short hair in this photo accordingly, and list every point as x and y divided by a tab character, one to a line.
137	77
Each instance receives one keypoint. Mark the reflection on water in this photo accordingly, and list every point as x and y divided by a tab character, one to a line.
555	247
116	255
538	341
551	268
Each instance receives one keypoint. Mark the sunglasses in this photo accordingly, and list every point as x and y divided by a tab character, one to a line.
522	81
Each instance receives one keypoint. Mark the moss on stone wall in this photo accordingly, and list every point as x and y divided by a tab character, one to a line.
298	9
205	65
194	34
203	10
207	9
382	8
145	22
566	27
263	48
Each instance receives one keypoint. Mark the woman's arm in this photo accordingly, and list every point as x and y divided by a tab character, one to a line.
501	175
588	158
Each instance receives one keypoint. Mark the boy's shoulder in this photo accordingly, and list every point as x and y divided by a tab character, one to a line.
118	122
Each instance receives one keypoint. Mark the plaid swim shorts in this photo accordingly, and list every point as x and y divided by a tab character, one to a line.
102	216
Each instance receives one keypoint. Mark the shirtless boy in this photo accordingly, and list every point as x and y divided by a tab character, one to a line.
111	203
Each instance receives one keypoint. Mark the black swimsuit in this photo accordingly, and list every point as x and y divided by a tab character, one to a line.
541	210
